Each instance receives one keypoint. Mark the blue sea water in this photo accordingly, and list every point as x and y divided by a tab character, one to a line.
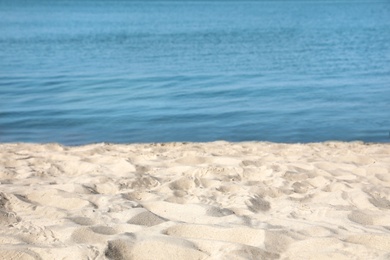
86	71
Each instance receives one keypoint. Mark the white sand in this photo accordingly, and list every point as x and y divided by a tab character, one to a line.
195	201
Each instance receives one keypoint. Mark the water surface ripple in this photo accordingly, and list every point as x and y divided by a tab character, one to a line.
79	72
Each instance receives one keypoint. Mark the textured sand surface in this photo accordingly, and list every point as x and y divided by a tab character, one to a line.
215	200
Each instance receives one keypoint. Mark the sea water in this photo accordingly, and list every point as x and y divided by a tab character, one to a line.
87	71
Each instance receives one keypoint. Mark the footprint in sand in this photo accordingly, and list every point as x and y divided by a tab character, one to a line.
190	213
7	217
93	234
153	247
241	235
367	217
18	253
57	199
83	221
146	218
185	183
375	241
258	204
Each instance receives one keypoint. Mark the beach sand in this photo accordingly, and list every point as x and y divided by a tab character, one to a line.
218	200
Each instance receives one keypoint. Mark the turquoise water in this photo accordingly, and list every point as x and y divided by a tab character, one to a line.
79	72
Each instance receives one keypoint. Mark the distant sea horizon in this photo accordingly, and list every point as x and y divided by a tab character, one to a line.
80	72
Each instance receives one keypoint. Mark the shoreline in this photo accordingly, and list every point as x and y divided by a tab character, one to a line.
196	142
185	200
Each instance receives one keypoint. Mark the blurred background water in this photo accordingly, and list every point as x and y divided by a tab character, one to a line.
87	71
